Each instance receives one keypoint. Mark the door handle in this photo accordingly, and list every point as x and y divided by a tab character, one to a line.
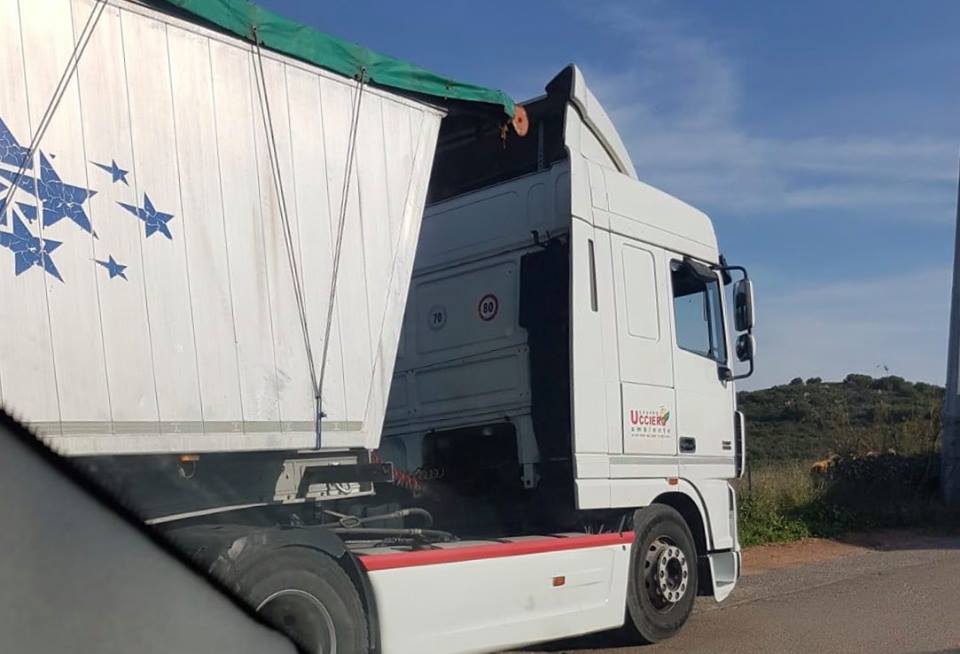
688	444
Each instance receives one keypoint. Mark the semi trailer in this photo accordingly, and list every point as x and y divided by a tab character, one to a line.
408	366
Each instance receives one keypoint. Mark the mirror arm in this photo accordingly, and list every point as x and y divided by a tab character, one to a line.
743	375
725	373
725	269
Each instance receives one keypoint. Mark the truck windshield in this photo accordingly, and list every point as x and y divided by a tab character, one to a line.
697	312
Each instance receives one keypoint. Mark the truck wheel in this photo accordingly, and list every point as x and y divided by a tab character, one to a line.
307	596
663	574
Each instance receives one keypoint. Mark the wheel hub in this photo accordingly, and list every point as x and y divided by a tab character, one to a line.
668	572
303	618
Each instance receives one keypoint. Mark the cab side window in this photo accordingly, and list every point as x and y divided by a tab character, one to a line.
697	313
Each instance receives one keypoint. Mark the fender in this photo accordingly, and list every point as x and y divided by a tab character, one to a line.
226	551
691	491
718	568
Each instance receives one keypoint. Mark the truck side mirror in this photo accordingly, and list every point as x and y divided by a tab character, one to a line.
743	306
746	347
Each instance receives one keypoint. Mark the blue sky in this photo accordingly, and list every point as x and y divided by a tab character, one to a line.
821	137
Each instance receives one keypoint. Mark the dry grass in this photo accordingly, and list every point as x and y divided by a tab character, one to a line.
787	501
768	498
785	483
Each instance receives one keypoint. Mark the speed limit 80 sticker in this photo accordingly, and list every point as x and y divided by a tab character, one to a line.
488	307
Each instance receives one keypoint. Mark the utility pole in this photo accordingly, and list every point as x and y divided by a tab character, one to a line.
950	452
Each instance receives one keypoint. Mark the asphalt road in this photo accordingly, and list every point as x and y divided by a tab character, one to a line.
904	599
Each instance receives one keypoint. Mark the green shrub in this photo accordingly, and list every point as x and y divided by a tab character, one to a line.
892	383
762	521
853	379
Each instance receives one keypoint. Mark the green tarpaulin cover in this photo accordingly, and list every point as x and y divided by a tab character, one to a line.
291	38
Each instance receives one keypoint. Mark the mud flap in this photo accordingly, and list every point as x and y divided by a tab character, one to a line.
724	572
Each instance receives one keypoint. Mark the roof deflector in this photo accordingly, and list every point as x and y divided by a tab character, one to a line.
571	82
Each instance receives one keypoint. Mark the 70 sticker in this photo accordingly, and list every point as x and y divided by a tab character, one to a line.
438	317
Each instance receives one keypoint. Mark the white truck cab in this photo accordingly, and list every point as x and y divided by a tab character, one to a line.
566	358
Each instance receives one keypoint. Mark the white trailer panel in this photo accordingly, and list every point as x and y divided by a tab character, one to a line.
146	299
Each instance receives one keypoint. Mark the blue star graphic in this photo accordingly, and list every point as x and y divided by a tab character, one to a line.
115	269
156	221
59	200
11	152
116	172
29	250
28	210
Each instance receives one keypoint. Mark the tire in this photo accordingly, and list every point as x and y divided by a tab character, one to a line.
307	595
663	574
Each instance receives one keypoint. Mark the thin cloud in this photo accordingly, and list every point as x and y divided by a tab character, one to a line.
676	100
